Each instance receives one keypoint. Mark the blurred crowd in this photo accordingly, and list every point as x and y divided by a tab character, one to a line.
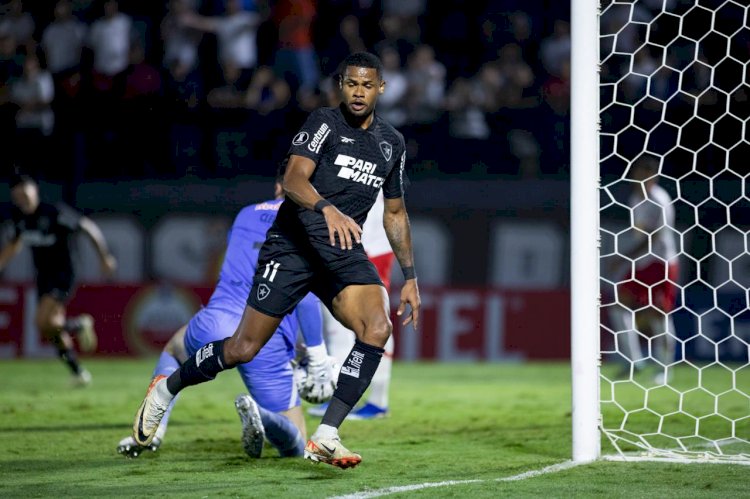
112	90
674	84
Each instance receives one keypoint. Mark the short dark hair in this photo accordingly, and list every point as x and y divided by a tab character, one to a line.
19	179
362	60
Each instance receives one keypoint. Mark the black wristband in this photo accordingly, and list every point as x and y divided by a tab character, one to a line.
321	204
409	273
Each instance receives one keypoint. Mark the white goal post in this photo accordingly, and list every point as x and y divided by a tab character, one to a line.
584	228
660	230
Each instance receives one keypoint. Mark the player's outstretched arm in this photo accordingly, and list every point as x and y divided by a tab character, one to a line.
9	251
396	224
298	187
108	261
310	320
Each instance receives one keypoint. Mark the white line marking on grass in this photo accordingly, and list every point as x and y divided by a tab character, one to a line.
533	473
632	458
449	483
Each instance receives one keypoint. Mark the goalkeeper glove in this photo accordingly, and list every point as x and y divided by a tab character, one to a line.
318	386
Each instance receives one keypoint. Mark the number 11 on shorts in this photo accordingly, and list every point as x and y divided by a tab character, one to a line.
271	265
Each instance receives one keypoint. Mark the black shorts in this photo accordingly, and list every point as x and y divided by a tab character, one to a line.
58	285
288	270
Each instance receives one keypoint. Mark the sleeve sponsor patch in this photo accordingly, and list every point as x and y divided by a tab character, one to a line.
319	138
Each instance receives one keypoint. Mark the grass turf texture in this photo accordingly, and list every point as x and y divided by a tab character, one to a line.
448	422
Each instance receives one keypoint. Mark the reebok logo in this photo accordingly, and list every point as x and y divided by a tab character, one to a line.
346	140
358	170
318	138
353	364
204	353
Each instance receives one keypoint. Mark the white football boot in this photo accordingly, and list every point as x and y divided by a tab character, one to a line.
82	380
87	339
331	451
253	433
151	411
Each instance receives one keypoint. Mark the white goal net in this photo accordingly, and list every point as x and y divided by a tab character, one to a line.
674	228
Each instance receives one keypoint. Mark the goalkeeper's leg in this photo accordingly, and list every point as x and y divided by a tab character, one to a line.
270	382
254	330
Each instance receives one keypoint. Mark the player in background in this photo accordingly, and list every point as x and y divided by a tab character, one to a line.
340	340
338	162
48	229
272	410
653	285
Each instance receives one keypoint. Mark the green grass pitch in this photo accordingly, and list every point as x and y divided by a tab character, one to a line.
448	422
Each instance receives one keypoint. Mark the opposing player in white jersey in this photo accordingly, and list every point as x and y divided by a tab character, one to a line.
340	340
649	286
272	410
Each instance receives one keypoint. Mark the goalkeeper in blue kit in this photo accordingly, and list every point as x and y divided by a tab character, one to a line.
272	409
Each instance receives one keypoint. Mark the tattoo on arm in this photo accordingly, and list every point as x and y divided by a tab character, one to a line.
399	235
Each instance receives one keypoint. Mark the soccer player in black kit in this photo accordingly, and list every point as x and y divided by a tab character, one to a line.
47	229
337	164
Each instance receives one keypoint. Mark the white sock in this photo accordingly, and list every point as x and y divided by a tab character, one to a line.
326	431
628	342
381	381
664	345
161	391
339	340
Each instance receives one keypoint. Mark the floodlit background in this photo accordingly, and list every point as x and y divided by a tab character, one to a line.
160	120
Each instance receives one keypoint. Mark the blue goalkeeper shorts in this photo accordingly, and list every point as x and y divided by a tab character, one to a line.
269	377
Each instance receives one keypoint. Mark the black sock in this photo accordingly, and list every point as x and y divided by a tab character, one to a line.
354	378
69	357
207	362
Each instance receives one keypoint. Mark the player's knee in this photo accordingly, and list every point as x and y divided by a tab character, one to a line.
238	350
176	345
48	326
378	331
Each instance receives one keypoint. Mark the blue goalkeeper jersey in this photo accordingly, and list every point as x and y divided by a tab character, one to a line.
240	261
243	244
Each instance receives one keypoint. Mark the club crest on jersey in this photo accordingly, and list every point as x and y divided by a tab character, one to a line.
387	150
263	291
300	138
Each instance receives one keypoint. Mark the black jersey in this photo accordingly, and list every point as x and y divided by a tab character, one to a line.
352	165
48	233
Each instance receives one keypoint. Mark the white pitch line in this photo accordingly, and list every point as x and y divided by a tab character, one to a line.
429	485
544	471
